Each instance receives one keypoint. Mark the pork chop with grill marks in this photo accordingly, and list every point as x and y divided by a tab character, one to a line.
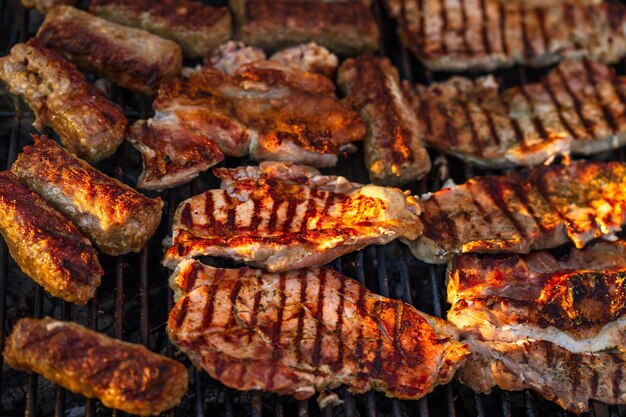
466	35
282	217
579	107
305	331
533	322
540	208
268	109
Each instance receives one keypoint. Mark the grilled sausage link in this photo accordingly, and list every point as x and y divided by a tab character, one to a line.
45	244
114	216
123	375
89	125
132	58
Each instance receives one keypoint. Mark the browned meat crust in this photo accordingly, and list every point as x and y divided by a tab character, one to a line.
580	107
132	58
44	5
88	124
534	322
197	28
346	28
489	34
283	217
122	375
171	156
115	217
310	330
536	209
394	153
46	245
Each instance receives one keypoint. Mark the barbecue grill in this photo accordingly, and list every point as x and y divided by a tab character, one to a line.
134	299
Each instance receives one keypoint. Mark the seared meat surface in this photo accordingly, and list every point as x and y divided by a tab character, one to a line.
196	27
132	58
271	110
534	322
309	57
579	107
88	124
305	331
125	376
344	27
282	217
489	34
540	208
44	5
394	153
114	216
45	244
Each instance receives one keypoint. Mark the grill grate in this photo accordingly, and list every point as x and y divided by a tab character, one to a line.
133	301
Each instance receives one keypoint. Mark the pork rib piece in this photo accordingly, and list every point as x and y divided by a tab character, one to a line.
579	107
282	216
536	209
489	34
305	331
534	322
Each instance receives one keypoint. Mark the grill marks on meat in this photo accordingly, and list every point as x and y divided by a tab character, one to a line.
541	208
132	58
122	375
534	322
579	107
88	124
46	245
305	331
344	27
114	216
282	217
270	110
394	153
197	28
489	34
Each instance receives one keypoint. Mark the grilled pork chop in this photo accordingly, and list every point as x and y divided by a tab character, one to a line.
305	331
196	27
268	109
88	124
580	107
282	217
394	153
123	375
534	322
463	35
537	209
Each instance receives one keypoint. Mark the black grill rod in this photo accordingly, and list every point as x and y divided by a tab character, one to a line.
31	394
60	393
144	319
171	207
92	323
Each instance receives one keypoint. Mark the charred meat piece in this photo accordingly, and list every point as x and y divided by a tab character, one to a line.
45	244
345	27
131	58
125	376
88	124
309	57
171	156
534	322
580	107
305	331
231	55
394	153
272	111
282	217
537	209
115	217
44	5
196	27
489	34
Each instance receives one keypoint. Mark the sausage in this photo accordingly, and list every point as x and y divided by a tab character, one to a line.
115	217
122	375
89	125
45	244
131	58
